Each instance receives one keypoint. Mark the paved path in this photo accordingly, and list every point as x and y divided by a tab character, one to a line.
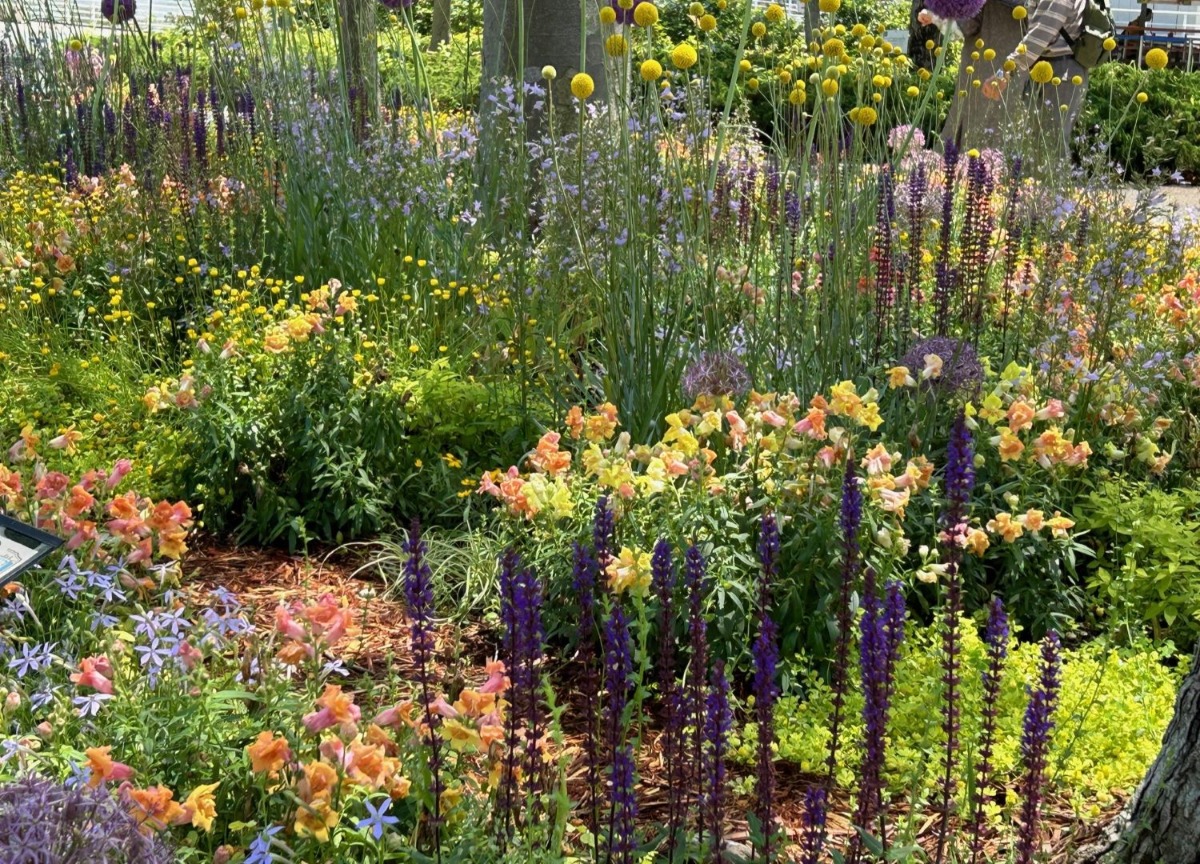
1185	197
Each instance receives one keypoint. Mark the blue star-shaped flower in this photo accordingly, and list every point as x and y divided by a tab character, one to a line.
379	818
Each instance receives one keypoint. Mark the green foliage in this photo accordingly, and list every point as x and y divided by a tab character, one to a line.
1114	706
1147	570
1161	135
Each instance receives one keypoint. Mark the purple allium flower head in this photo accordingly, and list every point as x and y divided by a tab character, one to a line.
957	10
961	370
1035	744
118	11
396	4
44	821
716	373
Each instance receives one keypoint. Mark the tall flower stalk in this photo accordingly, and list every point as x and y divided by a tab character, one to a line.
663	579
618	681
848	520
418	594
1035	744
812	838
717	722
996	639
694	578
584	585
960	480
766	658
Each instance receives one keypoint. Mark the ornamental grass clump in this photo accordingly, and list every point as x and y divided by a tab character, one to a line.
45	822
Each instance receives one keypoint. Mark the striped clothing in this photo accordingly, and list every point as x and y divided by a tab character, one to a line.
1044	37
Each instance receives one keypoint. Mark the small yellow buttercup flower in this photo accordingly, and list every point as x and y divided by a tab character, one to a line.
645	15
775	13
582	85
1020	13
608	15
651	69
616	46
1042	72
707	23
684	56
758	29
1156	58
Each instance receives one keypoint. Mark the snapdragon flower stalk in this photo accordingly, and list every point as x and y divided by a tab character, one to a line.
766	658
1035	745
960	480
418	594
996	639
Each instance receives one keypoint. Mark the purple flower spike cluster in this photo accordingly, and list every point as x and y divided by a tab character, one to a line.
766	659
663	580
996	639
618	681
695	578
718	721
1035	745
521	613
418	595
812	839
848	520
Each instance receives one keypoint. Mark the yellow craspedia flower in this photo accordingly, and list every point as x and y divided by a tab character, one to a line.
833	48
608	15
1156	58
684	56
1110	43
582	86
707	23
240	13
860	30
745	66
785	77
866	116
651	70
616	46
1076	80
913	91
830	6
752	85
645	15
775	13
1042	72
759	29
625	4
722	4
829	87
880	81
1020	13
1142	97
549	73
1010	65
696	10
796	97
1055	80
989	54
75	44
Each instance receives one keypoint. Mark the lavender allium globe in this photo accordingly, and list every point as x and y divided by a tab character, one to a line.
716	373
396	4
957	10
44	822
118	11
960	369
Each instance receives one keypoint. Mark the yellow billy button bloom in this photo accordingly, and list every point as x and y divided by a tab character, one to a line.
752	85
1010	65
864	116
707	23
758	29
608	15
549	73
684	56
1110	43
1042	72
829	87
616	46
651	69
775	13
830	6
1020	13
745	66
989	54
645	15
1142	98
696	10
913	91
1156	59
582	85
796	97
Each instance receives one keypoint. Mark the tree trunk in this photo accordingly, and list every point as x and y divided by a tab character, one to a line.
439	33
358	62
918	35
1161	825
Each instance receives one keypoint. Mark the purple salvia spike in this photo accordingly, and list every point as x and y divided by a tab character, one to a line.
1035	745
996	639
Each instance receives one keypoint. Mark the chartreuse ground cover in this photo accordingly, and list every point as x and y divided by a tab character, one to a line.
759	479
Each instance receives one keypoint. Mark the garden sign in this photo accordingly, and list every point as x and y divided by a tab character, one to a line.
21	547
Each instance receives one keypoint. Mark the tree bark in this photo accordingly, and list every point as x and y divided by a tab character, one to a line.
439	33
358	61
1161	824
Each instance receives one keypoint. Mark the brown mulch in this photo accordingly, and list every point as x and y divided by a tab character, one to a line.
263	579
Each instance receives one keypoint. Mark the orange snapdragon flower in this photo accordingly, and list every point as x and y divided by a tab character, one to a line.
268	753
